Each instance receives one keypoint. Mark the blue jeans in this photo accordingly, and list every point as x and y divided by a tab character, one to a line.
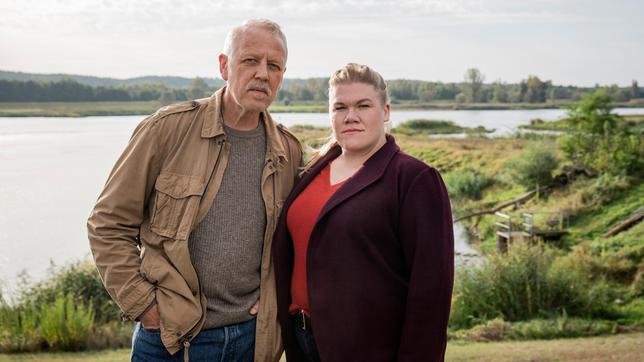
235	342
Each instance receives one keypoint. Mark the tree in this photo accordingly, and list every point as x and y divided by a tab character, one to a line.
425	92
167	97
473	84
198	88
598	141
499	92
533	90
635	89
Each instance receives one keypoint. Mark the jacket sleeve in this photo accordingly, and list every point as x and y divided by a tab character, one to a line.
114	223
427	238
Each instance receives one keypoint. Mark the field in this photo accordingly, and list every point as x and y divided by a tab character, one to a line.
623	348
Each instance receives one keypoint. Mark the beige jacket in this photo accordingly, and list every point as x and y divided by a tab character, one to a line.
161	187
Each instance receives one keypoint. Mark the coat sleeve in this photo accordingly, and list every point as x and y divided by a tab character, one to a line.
114	223
427	238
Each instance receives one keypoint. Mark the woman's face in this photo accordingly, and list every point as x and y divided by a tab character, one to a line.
358	117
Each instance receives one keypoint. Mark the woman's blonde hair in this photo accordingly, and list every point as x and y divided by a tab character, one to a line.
350	73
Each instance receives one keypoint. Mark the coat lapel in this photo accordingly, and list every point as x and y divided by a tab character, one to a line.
310	175
371	171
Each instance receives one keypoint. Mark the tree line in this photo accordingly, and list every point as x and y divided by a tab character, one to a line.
472	89
69	90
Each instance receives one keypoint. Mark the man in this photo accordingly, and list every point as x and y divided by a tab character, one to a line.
182	232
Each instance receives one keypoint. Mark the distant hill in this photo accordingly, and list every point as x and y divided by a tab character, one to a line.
169	81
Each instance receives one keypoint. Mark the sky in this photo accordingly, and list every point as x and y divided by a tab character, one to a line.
570	42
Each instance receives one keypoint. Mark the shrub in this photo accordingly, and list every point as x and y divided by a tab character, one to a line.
535	165
79	280
559	327
466	184
68	311
18	330
64	325
525	283
618	259
603	190
599	141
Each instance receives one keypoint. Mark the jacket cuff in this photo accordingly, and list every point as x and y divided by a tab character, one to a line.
138	301
154	302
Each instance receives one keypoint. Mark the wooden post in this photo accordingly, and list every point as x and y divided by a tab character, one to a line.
501	244
537	192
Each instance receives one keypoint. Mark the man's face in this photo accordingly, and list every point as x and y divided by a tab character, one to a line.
255	71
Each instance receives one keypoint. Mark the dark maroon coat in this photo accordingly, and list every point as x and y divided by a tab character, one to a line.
380	263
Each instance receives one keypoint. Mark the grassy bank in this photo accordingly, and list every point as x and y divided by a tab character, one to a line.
76	109
427	126
82	109
633	123
624	348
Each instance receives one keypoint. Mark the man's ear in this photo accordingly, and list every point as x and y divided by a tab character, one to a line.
223	66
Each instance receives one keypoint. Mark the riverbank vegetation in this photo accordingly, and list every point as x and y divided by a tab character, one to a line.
573	276
430	127
36	91
564	273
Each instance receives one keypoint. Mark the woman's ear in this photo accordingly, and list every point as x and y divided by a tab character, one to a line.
387	112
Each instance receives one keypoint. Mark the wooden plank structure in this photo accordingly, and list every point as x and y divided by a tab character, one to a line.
507	232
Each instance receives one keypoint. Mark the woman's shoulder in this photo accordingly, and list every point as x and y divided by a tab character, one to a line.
409	165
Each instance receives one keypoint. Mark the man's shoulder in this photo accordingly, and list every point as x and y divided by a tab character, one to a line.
287	133
178	108
173	117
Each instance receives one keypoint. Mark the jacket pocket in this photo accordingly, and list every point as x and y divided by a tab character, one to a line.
176	202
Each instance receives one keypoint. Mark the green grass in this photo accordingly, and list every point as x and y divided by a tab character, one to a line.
622	347
428	126
76	109
597	221
299	107
114	355
634	124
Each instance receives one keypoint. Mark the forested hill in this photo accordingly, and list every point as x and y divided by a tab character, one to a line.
168	81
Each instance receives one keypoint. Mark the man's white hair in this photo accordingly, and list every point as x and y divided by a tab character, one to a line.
232	40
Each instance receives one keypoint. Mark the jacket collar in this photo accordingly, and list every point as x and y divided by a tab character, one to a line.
213	126
372	170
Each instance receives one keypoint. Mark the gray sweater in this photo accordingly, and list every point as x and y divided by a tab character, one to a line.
226	247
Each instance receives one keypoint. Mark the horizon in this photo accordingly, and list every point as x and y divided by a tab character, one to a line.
570	42
554	83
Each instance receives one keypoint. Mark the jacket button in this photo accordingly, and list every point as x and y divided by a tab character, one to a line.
178	334
194	293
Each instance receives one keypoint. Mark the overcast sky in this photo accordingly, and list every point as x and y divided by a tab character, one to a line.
580	42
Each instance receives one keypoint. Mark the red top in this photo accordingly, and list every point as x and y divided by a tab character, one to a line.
300	220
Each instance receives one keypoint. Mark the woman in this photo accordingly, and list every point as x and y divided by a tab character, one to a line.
364	247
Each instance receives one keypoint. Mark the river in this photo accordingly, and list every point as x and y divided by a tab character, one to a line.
52	169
